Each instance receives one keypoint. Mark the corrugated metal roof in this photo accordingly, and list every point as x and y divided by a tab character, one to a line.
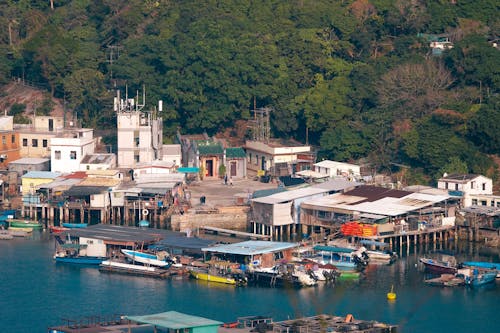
41	174
100	181
249	248
268	192
108	232
59	182
30	160
85	190
337	185
290	195
174	320
334	164
235	153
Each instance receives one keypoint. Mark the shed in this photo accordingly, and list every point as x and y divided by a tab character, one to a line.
178	322
24	165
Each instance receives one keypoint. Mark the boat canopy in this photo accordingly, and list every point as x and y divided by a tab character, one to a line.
372	242
332	249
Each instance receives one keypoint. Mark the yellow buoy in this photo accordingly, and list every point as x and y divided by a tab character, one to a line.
391	295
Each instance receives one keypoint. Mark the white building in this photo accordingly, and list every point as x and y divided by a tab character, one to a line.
276	157
334	169
140	133
69	149
466	185
172	153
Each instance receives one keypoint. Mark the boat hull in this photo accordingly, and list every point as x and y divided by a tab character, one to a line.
24	224
81	260
212	278
436	267
74	225
145	258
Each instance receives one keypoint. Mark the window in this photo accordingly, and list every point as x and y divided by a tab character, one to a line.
474	202
472	185
484	186
25	142
44	143
483	203
57	154
13	139
4	140
456	187
446	185
72	155
136	138
492	203
34	142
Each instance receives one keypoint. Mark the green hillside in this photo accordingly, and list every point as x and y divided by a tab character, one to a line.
358	77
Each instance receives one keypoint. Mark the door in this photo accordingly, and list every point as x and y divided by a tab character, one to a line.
51	125
209	166
233	169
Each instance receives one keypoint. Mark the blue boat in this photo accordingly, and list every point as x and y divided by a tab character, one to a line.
74	225
482	264
479	279
81	260
341	257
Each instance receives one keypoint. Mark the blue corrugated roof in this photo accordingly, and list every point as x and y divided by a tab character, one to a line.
174	320
249	248
41	174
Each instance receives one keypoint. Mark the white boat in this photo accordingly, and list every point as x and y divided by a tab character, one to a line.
121	265
160	259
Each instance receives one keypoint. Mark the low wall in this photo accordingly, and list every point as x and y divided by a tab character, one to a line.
234	218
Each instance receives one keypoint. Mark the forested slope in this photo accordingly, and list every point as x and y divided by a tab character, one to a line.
354	75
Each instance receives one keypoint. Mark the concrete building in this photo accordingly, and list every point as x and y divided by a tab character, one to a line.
24	165
277	158
35	137
9	146
98	162
466	185
337	169
172	153
69	149
140	133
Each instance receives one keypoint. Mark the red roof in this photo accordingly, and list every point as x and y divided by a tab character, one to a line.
76	175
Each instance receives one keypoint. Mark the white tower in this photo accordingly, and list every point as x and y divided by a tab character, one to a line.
140	132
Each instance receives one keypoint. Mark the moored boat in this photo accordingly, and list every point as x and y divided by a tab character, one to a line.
81	260
482	264
74	225
160	259
476	278
340	257
17	223
445	265
446	280
57	229
215	277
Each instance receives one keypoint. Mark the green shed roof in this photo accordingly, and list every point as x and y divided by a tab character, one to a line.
210	149
235	153
174	320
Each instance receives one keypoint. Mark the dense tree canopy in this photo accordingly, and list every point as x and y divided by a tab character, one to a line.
354	78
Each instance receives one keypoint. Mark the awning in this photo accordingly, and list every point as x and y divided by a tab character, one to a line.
189	169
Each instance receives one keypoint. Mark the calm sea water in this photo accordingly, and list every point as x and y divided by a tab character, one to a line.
36	293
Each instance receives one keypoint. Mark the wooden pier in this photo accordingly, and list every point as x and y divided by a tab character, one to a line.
234	233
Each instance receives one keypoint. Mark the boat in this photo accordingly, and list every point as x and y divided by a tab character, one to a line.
476	278
18	223
444	265
482	264
5	235
57	229
446	280
283	274
379	253
74	253
213	276
20	232
341	257
74	225
160	259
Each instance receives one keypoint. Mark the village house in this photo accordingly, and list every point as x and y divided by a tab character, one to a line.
334	169
277	158
465	186
35	136
26	164
279	215
98	162
388	209
69	149
9	148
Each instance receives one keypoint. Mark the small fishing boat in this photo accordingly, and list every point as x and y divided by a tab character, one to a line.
73	253
444	265
476	278
57	229
379	252
20	232
482	264
212	276
77	259
18	223
160	259
341	257
74	225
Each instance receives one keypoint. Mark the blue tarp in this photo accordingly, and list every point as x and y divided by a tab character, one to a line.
332	249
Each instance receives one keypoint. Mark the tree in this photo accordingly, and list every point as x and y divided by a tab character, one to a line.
414	90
